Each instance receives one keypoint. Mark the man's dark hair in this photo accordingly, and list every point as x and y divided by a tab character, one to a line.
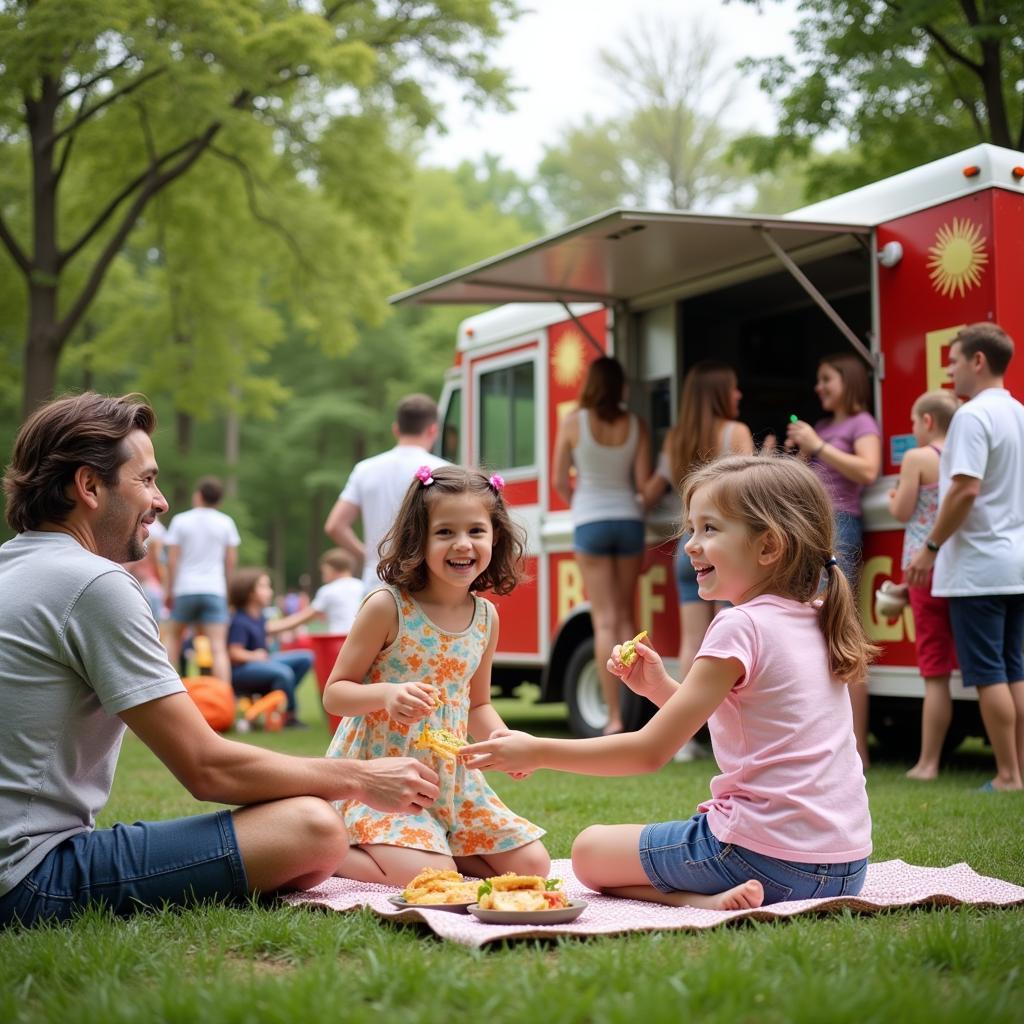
59	437
415	413
210	489
991	341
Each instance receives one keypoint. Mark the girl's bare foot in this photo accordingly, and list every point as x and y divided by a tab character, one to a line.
923	773
740	897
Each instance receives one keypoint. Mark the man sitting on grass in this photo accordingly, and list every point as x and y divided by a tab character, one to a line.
80	659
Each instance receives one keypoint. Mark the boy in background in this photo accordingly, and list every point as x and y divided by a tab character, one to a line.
337	600
915	501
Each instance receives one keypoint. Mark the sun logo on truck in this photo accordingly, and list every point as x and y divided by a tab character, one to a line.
957	258
567	359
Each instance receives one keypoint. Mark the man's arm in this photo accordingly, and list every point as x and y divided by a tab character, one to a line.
213	768
230	561
953	512
339	527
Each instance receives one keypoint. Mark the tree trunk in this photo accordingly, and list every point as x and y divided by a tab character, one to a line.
232	452
183	443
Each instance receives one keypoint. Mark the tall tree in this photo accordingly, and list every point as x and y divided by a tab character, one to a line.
157	86
666	147
903	80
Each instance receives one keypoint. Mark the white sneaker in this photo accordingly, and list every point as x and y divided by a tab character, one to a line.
691	750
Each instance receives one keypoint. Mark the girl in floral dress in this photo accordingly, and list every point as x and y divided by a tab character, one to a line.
419	656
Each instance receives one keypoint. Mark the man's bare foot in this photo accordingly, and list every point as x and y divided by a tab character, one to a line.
923	773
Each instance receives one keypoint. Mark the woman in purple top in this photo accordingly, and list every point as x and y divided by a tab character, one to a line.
845	450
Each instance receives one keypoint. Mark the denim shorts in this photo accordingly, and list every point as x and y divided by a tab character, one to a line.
687	591
623	538
684	856
849	539
989	634
128	868
202	608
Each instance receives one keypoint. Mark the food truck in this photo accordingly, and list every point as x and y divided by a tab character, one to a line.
891	271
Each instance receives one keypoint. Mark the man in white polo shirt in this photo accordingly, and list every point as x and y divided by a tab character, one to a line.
977	543
376	486
202	547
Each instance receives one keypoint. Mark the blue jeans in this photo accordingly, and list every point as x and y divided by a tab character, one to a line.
849	531
130	867
281	671
684	856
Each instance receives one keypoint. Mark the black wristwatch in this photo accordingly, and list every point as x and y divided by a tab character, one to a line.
931	545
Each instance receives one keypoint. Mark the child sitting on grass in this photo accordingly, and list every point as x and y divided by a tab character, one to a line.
915	501
788	815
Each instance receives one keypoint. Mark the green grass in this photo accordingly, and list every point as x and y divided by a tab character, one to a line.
282	964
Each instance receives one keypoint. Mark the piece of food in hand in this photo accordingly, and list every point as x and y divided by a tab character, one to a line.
432	885
442	742
627	652
521	893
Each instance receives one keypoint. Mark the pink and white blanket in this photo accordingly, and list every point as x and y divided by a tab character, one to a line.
891	883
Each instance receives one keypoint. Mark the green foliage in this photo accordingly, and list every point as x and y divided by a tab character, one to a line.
666	147
906	83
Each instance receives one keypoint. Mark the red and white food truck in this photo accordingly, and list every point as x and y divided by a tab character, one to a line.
891	270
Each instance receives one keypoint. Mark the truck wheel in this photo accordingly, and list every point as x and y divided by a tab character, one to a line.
637	711
588	713
896	723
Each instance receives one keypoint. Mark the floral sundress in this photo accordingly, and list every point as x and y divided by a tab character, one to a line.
468	817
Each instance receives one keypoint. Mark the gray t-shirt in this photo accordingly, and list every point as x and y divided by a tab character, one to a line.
78	645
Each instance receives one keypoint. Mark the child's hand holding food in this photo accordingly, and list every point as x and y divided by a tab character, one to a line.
640	667
409	702
512	752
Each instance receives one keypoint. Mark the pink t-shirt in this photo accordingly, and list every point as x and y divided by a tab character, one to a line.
791	784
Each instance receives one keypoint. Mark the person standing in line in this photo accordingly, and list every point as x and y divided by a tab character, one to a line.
202	549
611	450
705	428
376	486
976	546
845	450
915	501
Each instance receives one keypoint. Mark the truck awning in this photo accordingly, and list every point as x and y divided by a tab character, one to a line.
633	256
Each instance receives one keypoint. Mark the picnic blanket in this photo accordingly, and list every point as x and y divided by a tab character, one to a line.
891	883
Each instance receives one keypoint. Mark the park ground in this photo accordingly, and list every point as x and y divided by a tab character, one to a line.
275	963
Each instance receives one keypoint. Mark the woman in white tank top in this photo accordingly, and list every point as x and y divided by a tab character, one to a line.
610	449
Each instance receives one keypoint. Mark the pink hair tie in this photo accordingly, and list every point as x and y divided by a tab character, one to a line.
424	476
497	482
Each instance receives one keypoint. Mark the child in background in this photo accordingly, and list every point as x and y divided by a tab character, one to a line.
337	600
788	815
419	656
915	501
254	670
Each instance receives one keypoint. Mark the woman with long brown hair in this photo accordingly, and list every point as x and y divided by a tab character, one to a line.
611	451
705	428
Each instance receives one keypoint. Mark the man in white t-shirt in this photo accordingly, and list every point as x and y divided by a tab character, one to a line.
977	543
202	548
376	486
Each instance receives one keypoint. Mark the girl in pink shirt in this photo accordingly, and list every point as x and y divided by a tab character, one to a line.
788	814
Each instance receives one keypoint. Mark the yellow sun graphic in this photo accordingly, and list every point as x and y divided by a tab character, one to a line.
956	260
567	359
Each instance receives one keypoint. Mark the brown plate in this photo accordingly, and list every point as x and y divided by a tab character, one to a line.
560	915
404	904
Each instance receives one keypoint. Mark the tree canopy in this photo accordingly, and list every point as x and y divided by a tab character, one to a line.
904	82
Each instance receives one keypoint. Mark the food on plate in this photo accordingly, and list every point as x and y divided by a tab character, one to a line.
521	893
432	885
627	652
442	742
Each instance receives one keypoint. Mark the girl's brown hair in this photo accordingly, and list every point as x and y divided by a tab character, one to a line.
402	562
706	399
243	583
603	388
781	496
856	396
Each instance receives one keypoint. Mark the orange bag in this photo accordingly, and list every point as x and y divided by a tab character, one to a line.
215	700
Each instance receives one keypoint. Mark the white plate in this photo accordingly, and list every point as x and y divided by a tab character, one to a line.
560	915
404	904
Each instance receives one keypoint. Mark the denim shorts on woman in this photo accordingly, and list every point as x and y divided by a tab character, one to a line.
687	590
683	856
622	538
128	868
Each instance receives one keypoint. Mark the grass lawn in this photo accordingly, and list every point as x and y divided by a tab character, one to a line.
293	965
